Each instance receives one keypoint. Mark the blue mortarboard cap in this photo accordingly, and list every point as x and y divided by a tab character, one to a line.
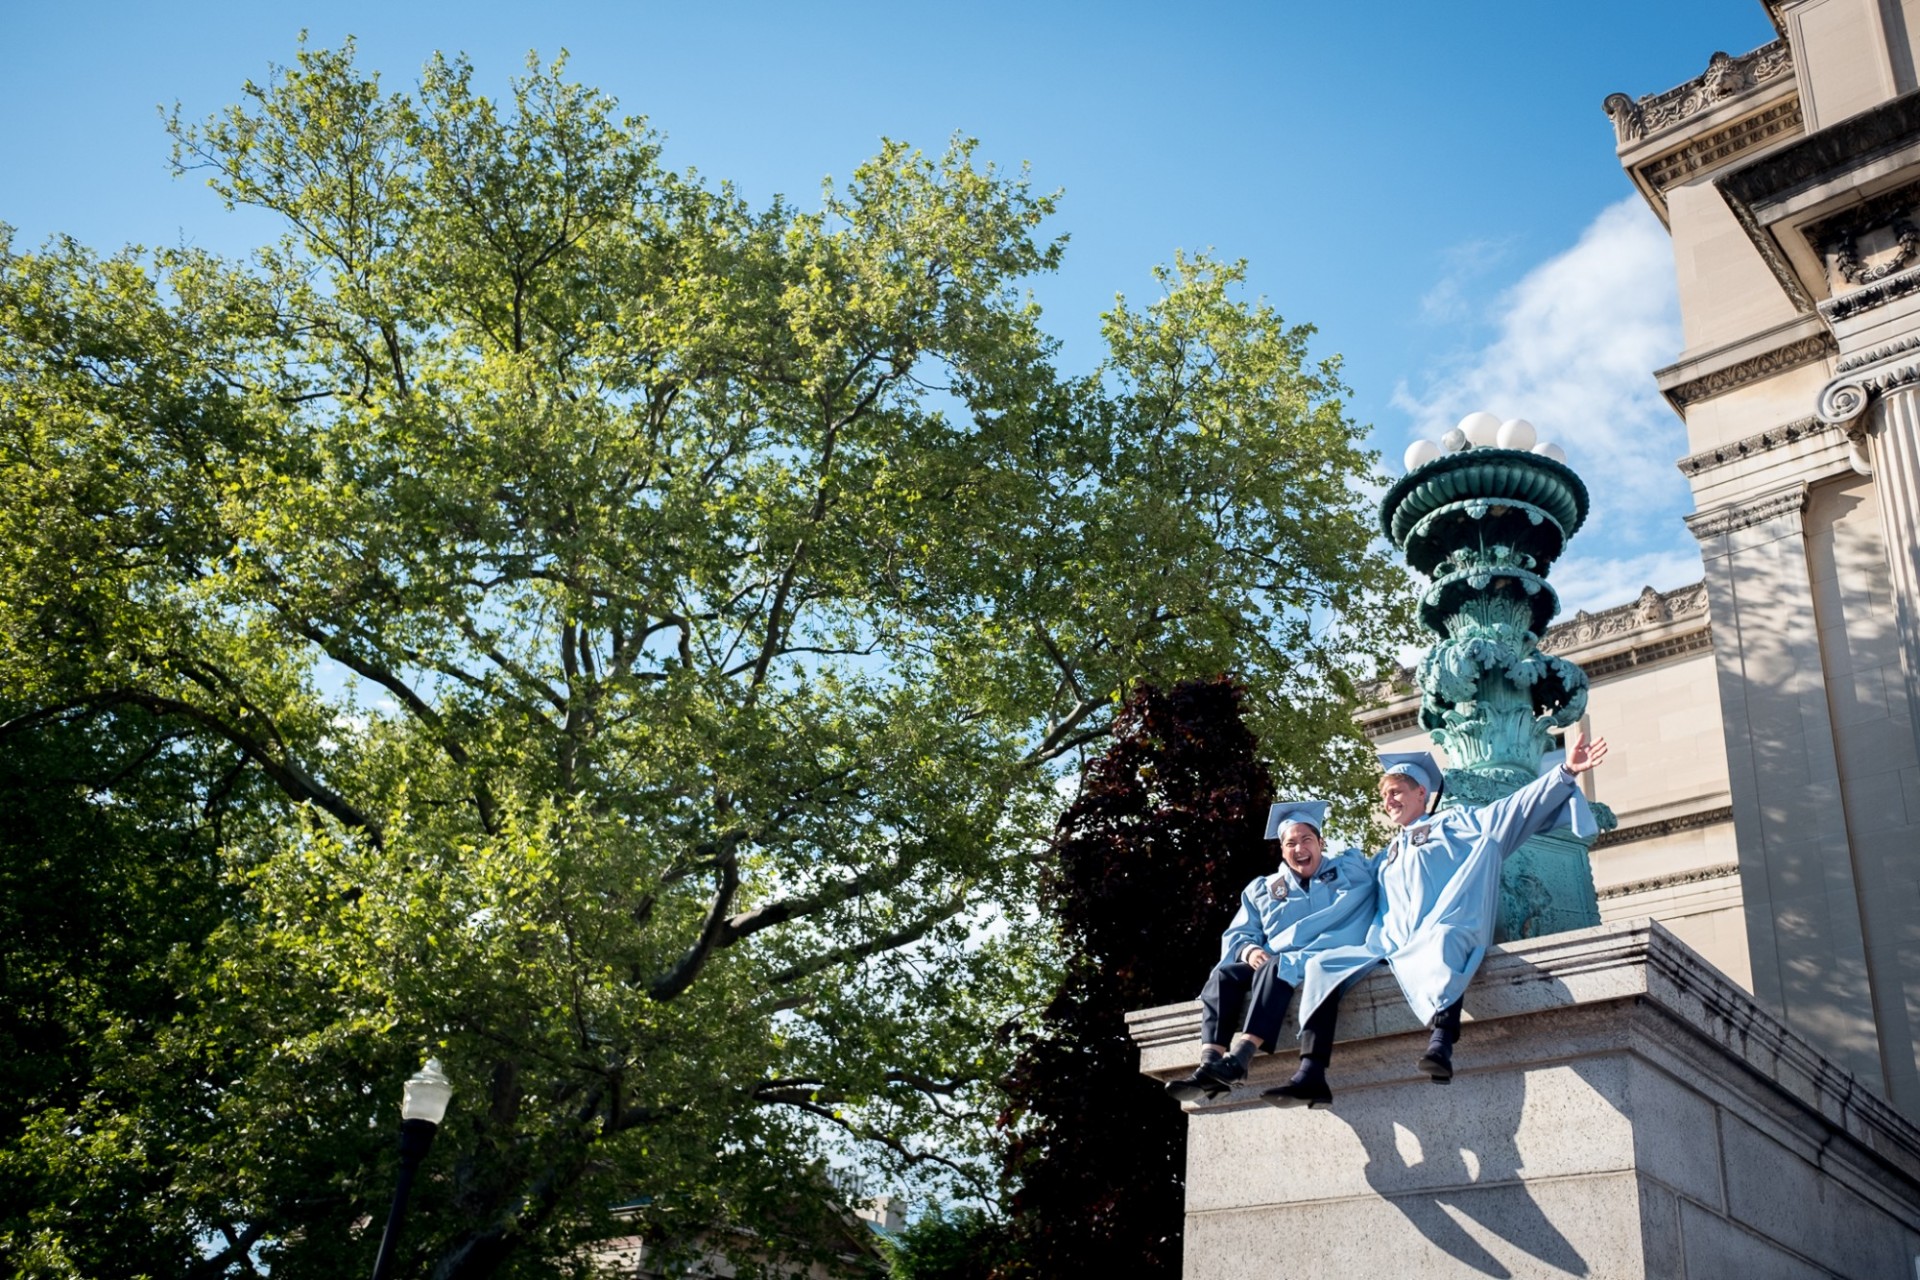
1418	765
1288	812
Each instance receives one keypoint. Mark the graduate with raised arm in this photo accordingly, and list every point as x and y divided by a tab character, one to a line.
1439	898
1315	900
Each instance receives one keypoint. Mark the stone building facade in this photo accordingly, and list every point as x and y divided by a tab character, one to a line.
1767	777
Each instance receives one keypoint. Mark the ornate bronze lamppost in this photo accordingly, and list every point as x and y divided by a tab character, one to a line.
1484	523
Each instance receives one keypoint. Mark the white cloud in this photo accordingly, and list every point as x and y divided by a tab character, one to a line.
1594	583
1447	301
1574	346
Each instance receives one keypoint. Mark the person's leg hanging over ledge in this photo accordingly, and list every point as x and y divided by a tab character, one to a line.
1221	1001
1437	1061
1309	1087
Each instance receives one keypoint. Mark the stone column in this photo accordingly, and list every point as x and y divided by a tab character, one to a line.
1890	425
1804	930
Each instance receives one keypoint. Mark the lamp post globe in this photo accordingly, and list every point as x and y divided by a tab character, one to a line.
423	1104
426	1094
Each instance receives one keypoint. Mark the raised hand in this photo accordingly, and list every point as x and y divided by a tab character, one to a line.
1581	754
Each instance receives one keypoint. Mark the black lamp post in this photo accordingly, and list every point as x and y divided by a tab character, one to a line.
422	1104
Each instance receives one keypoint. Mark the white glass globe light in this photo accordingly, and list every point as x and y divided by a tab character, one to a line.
1454	441
1517	433
1420	453
1548	449
1482	429
425	1096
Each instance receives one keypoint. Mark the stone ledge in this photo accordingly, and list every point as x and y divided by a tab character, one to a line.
1635	960
1607	962
1620	1109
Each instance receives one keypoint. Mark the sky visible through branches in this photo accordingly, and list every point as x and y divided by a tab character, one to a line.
1433	187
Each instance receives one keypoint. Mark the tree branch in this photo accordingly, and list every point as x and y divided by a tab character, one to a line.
413	702
872	946
1055	743
748	923
286	774
713	933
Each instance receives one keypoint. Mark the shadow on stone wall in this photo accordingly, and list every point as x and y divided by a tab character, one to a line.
1480	1182
1456	1151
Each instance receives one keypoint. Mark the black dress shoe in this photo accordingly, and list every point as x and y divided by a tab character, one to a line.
1437	1062
1216	1074
1197	1087
1308	1088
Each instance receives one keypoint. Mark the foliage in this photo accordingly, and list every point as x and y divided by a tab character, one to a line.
653	630
1148	866
961	1243
108	877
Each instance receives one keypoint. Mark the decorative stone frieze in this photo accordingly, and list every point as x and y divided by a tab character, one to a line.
1650	609
1749	446
1713	149
1874	294
1667	827
1725	78
1674	879
1862	359
1733	517
1806	350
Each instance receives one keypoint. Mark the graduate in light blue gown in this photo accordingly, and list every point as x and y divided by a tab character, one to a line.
1438	900
1313	901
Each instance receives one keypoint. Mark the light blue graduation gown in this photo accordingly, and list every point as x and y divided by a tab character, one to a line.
1292	921
1439	895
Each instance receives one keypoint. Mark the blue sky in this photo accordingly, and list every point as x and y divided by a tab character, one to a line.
1433	186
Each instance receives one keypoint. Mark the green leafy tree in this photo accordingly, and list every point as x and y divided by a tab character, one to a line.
653	629
958	1243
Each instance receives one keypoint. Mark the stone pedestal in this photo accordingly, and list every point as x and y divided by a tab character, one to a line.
1622	1109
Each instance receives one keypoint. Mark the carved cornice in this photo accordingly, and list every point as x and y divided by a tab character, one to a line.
1711	150
1861	359
1697	640
1707	459
1667	827
1866	298
1758	192
1725	78
1648	610
1399	722
1830	153
1730	518
1757	368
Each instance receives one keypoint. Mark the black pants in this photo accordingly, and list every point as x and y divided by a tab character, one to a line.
1234	984
1316	1033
